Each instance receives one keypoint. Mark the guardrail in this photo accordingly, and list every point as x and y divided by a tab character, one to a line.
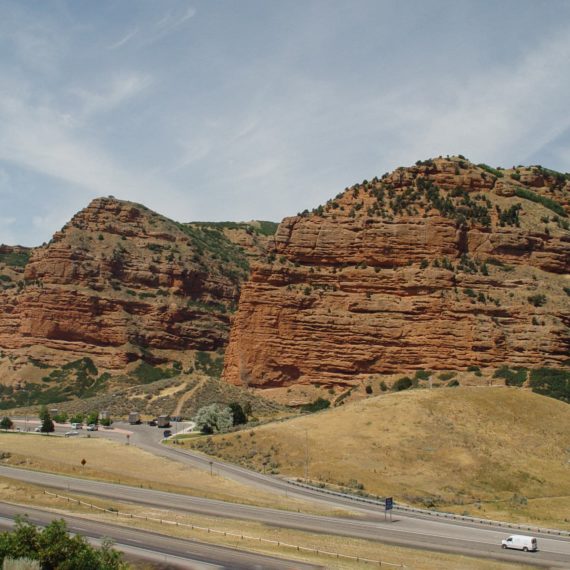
257	539
434	514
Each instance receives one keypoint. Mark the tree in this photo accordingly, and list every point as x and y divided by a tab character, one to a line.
238	414
214	418
93	418
77	419
60	418
6	423
54	548
47	422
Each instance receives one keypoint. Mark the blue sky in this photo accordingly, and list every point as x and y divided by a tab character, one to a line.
240	110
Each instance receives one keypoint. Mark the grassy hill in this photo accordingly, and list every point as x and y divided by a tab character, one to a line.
493	452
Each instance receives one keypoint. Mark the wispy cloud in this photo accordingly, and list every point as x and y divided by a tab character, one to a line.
268	109
40	139
125	39
119	90
171	21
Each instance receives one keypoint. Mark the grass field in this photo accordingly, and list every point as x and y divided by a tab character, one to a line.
23	494
119	463
491	452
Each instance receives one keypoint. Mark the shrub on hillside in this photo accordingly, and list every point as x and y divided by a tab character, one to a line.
537	300
551	382
317	405
515	377
422	375
402	384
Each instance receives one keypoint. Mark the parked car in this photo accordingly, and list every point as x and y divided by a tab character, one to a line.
520	542
71	433
38	429
167	433
92	427
152	423
77	426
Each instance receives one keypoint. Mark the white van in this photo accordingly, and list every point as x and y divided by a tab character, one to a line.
76	426
520	542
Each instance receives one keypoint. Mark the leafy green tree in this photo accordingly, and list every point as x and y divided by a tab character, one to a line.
6	423
61	418
238	414
77	419
55	549
93	418
214	418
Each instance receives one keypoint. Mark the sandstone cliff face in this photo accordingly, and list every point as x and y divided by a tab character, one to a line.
119	283
440	266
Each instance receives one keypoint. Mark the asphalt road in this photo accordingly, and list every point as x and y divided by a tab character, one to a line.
439	535
177	553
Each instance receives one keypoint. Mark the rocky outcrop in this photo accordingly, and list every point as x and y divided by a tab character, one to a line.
119	283
442	266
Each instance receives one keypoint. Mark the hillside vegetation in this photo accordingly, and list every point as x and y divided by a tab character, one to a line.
492	452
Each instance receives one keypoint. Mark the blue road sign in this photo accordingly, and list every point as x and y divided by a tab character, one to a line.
389	503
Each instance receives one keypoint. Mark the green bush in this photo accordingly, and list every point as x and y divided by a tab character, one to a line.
402	384
208	365
539	199
453	384
422	375
15	259
551	382
537	300
445	376
317	405
491	170
147	373
515	377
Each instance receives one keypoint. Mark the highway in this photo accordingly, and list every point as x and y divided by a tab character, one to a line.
407	530
440	535
181	553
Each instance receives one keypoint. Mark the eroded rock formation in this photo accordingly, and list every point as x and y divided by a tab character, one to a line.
119	283
442	266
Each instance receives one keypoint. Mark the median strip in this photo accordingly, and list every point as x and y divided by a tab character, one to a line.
258	539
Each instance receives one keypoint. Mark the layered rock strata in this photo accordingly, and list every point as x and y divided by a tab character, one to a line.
119	283
441	266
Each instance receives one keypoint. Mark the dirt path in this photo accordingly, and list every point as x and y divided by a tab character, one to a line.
185	397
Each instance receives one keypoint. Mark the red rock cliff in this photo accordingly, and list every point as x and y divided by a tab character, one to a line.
120	282
438	266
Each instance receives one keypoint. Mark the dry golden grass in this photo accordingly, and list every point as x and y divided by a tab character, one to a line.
23	494
482	450
118	463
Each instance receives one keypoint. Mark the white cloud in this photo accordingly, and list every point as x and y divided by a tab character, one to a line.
125	39
40	139
120	89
